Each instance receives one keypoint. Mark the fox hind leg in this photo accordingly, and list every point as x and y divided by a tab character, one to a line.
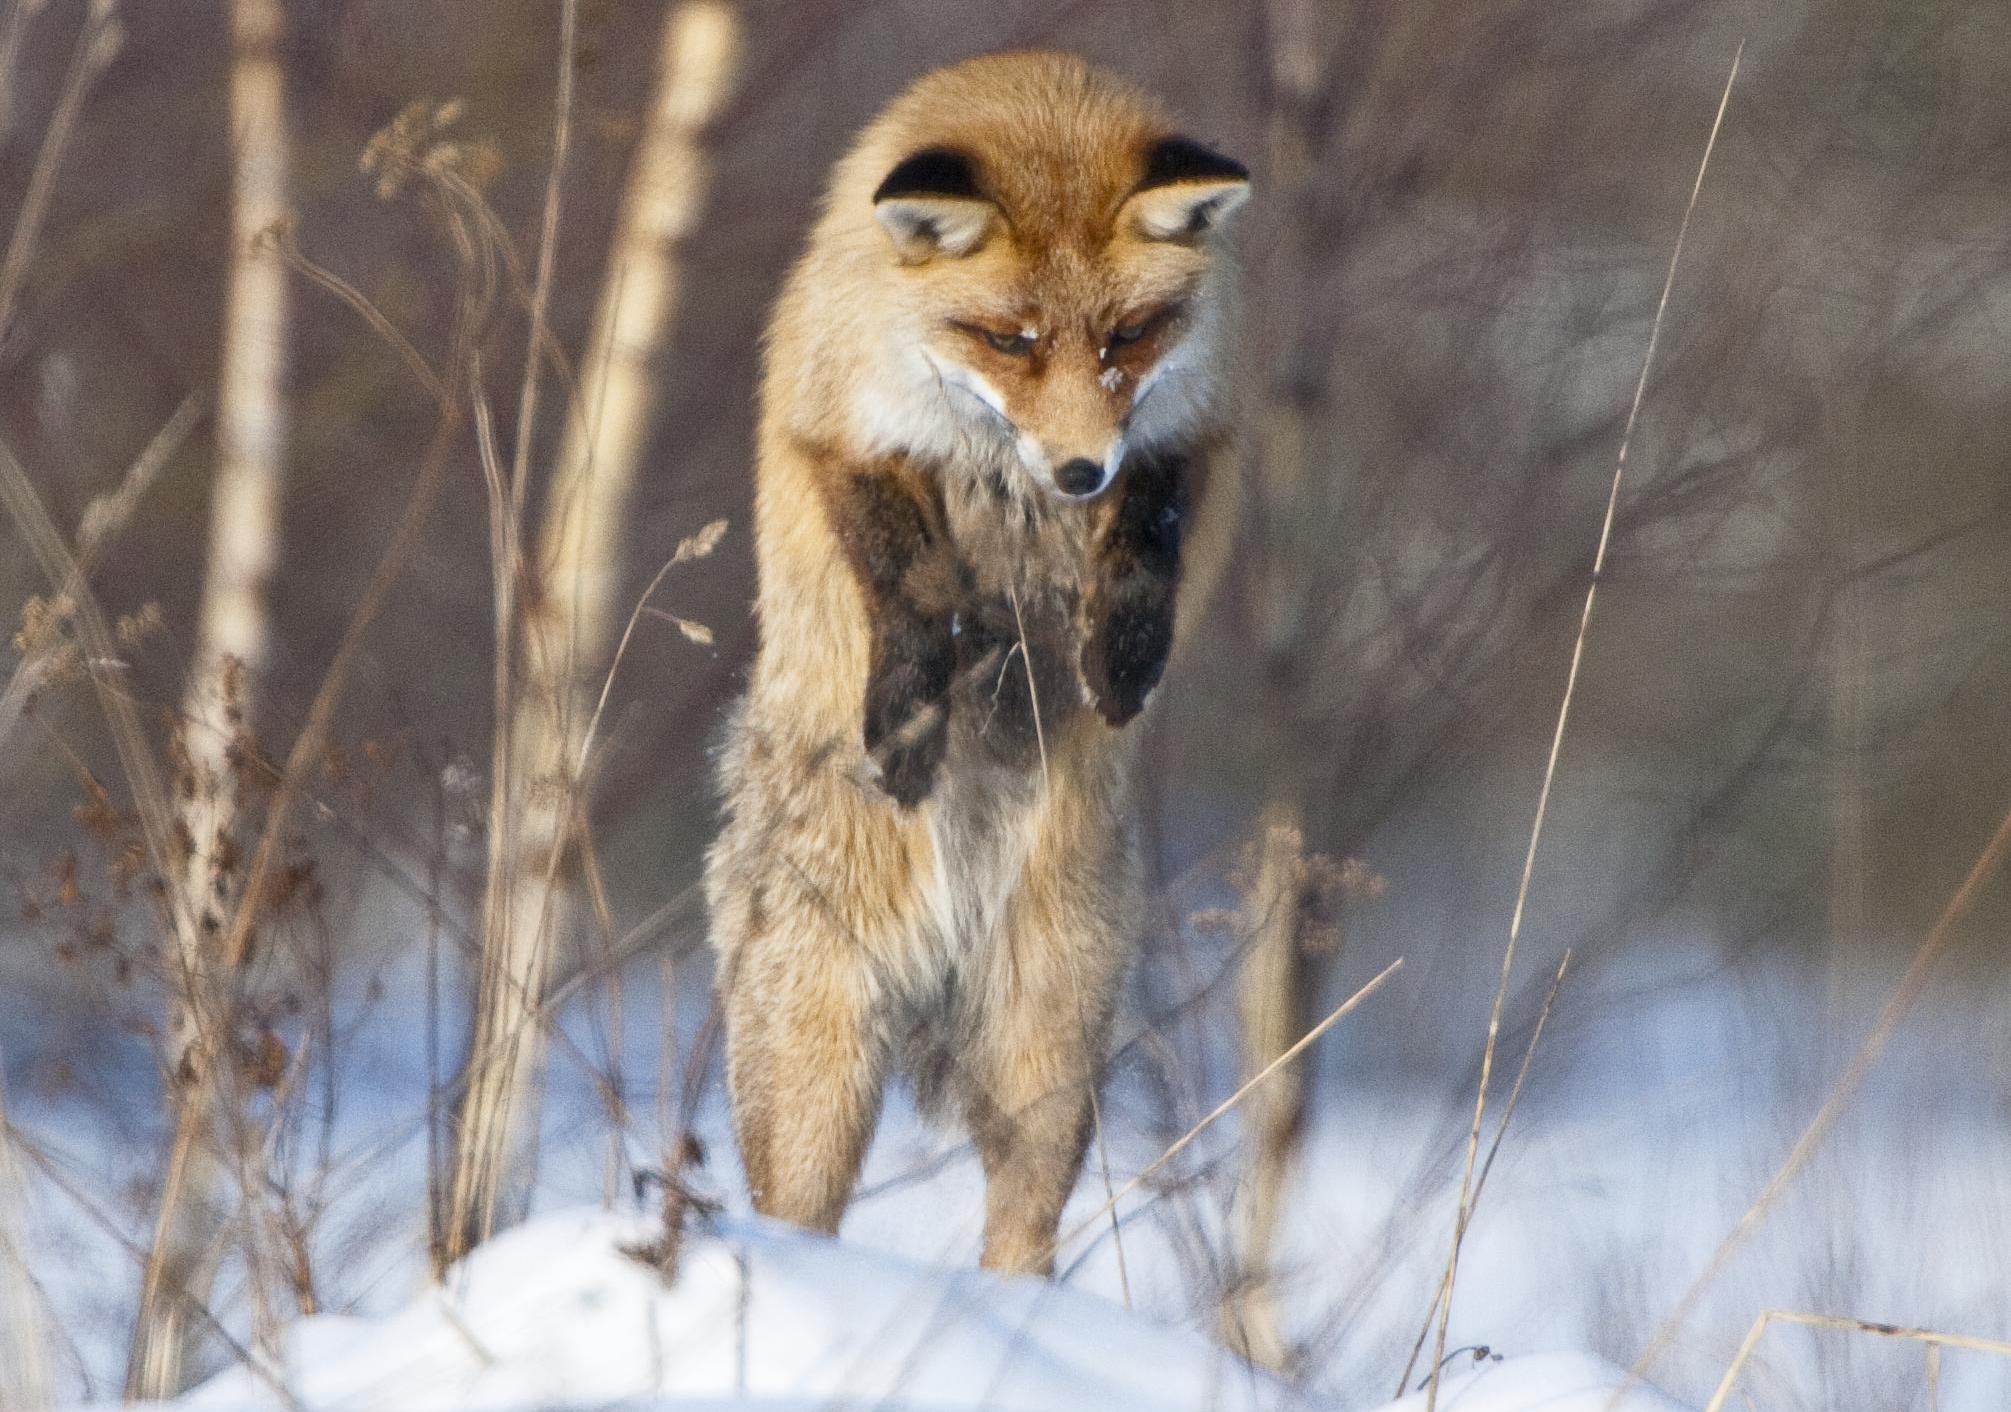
806	1061
1028	1084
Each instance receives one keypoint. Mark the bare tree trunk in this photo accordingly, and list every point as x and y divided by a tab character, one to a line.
230	654
567	628
1274	983
1272	1006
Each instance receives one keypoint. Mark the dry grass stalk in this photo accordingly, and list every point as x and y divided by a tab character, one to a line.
1894	1010
103	518
1493	1149
150	798
13	30
261	878
24	1377
97	45
535	808
100	652
1465	1212
1935	1343
1228	1105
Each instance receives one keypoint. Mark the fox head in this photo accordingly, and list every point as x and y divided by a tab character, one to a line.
1044	272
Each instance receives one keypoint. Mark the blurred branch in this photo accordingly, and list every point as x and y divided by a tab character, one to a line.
103	518
97	44
567	626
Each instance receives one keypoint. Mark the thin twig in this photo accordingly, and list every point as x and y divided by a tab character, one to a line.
1935	1343
97	43
548	245
1465	1212
1895	1008
20	1296
102	518
288	246
1493	1150
60	568
1334	1017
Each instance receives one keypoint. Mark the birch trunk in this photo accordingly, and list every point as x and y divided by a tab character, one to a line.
230	653
567	625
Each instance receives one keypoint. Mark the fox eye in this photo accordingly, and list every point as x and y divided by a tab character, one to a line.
1012	345
1124	335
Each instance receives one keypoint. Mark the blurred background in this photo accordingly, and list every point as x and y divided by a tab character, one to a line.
1786	747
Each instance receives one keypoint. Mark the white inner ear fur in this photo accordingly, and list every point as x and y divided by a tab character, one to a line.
921	226
1185	209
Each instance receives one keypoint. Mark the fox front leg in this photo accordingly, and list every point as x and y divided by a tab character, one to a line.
1127	622
896	542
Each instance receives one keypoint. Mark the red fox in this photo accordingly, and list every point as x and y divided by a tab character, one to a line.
994	428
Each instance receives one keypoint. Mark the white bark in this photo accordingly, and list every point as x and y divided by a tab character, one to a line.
232	633
568	628
230	653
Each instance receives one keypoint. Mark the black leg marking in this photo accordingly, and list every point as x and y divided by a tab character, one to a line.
896	543
1128	612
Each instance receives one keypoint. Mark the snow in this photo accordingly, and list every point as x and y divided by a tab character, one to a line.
559	1313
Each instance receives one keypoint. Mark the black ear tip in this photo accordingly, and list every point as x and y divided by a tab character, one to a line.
1178	159
933	171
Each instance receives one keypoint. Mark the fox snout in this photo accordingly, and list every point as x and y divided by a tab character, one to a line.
1081	477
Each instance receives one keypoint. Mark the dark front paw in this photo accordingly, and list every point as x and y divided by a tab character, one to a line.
1125	649
905	758
907	714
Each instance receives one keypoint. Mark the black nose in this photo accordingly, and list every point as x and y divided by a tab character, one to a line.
1079	477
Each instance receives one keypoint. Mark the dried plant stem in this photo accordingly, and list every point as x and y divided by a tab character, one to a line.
1465	1211
1935	1343
24	1384
308	747
1894	1010
1493	1148
12	30
577	568
60	568
1227	1105
103	518
97	43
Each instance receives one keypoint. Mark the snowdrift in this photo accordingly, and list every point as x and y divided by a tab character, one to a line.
559	1314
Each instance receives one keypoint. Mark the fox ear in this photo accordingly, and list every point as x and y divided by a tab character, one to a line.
931	204
1186	192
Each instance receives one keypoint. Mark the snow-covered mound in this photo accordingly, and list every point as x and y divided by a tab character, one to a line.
558	1314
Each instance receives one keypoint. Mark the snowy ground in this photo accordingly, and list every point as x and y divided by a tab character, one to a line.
561	1313
1667	1089
1635	1151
